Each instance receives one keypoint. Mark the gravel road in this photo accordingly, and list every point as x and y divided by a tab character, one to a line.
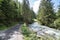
11	34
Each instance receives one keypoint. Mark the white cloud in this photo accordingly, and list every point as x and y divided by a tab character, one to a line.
36	6
20	1
30	1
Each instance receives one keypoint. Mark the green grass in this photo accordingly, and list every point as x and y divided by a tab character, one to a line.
30	35
3	27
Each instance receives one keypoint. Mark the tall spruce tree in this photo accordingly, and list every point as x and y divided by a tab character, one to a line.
26	12
58	12
25	9
46	14
8	9
4	8
57	21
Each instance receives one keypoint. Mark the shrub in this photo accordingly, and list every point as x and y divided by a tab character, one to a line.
57	23
30	35
25	30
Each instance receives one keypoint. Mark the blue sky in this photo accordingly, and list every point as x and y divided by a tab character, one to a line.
35	4
56	3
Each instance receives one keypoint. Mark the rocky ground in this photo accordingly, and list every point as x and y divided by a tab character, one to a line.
16	36
44	31
11	34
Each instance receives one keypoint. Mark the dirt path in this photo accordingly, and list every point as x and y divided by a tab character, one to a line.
11	34
16	36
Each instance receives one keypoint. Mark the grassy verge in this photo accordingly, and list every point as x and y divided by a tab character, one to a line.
3	27
30	35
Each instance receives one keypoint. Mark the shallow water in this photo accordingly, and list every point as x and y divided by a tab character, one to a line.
44	30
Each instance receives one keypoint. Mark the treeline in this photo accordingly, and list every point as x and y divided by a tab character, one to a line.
12	11
47	16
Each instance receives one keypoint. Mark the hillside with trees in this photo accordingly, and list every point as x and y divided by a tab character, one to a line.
13	12
20	18
46	14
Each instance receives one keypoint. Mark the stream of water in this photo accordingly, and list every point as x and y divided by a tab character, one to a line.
44	30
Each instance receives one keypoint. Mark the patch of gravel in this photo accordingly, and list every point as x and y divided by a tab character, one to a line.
16	36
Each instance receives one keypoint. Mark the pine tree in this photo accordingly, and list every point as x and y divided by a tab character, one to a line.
8	9
46	14
26	12
57	21
58	13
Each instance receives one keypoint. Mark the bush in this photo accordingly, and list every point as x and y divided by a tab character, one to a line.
57	23
25	30
30	35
